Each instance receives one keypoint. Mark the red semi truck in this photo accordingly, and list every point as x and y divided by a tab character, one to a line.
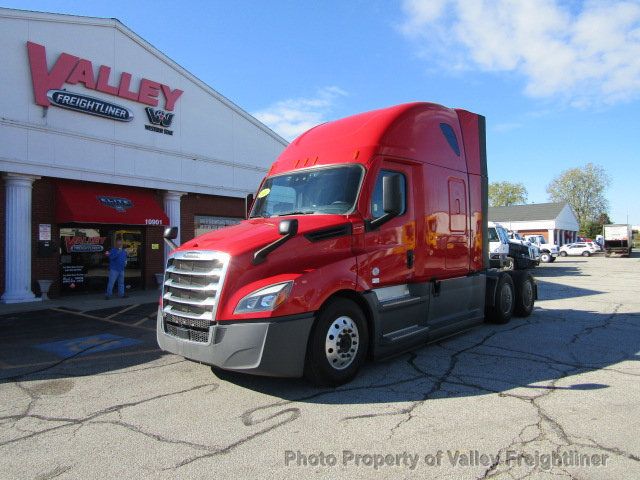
367	237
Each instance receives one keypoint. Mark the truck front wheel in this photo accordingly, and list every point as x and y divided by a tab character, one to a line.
545	257
338	344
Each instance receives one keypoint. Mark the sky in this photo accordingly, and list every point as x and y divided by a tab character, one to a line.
559	82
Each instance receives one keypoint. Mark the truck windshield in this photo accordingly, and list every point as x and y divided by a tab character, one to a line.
320	191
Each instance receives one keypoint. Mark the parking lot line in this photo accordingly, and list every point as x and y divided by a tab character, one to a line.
102	319
126	309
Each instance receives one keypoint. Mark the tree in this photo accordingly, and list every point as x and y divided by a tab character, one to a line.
502	194
594	228
583	188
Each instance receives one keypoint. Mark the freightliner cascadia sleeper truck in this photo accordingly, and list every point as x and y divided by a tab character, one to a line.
367	237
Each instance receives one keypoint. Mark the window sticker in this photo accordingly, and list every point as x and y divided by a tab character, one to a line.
264	192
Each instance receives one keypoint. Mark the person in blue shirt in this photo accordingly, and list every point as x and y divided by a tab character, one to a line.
117	263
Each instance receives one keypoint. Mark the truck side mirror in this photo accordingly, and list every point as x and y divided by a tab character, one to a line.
171	233
392	194
391	200
248	203
288	227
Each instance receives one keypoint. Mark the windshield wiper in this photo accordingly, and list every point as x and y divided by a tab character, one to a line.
299	212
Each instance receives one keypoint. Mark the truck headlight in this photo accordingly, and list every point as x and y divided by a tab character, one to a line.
264	300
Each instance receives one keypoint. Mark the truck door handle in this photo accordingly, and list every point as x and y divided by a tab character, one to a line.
410	257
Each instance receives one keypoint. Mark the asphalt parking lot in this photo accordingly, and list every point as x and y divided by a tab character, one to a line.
89	395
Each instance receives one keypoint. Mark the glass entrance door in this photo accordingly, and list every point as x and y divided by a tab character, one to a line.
84	265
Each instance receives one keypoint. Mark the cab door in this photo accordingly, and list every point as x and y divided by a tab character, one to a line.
391	248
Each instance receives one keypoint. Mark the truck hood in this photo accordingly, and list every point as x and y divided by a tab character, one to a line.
250	235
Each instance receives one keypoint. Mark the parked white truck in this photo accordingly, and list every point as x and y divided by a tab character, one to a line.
618	239
548	251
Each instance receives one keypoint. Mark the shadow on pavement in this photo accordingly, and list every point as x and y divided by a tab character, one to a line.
559	270
526	354
554	291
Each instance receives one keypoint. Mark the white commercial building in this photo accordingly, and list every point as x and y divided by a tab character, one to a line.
87	100
555	221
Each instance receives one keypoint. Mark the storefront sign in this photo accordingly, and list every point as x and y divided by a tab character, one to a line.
84	244
72	275
90	105
118	203
73	70
44	232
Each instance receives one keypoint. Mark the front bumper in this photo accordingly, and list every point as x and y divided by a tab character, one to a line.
273	347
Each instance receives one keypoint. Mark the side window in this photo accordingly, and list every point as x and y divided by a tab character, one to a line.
450	135
376	199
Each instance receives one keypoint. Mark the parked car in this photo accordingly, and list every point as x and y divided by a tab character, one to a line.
595	245
580	248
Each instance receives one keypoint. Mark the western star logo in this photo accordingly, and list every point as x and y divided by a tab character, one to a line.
91	105
159	120
73	70
120	204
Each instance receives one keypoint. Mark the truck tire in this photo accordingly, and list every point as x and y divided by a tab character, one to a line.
502	309
525	295
545	257
337	345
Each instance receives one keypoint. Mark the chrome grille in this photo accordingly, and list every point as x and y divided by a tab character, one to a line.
192	284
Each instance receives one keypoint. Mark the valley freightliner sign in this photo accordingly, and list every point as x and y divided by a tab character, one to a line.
73	70
91	105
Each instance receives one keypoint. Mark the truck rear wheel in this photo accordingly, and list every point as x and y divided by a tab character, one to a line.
502	309
525	295
338	344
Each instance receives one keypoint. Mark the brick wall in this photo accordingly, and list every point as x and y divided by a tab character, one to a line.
195	204
153	259
43	211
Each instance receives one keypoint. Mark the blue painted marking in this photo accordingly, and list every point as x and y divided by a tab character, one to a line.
87	345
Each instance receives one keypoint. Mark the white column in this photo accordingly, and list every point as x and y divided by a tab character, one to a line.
17	242
172	209
551	236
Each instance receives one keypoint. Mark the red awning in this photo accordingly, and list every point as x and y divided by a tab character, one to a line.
97	203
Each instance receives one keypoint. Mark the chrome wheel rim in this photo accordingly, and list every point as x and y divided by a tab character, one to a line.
507	299
342	342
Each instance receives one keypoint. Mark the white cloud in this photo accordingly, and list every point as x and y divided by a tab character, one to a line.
294	116
587	56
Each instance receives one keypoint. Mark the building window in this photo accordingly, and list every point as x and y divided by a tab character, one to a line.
208	223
